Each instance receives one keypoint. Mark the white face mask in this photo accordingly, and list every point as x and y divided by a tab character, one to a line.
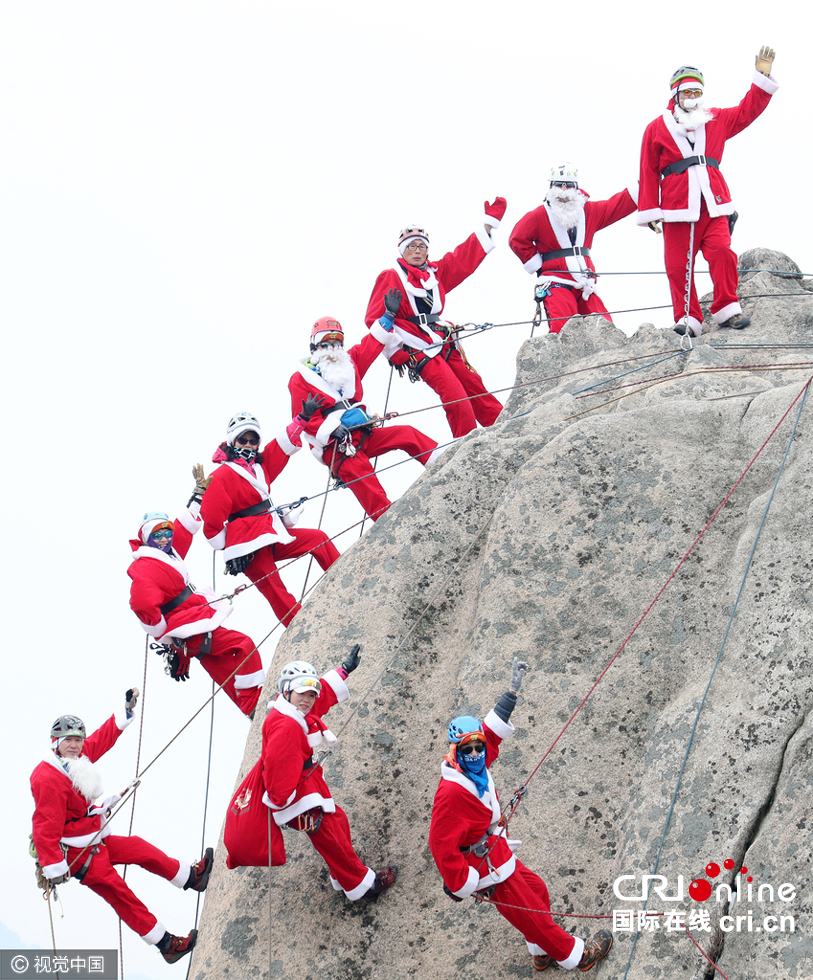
689	104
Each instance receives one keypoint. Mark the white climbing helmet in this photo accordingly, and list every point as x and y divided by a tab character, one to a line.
565	173
297	677
240	423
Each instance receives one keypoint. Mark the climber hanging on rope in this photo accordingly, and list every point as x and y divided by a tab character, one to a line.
186	622
340	432
470	846
555	239
240	520
289	775
422	342
72	839
682	187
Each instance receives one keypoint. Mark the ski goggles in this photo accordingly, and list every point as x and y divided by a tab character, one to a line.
165	535
307	684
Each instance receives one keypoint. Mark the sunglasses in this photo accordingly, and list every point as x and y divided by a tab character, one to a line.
160	535
469	747
328	345
247	440
564	183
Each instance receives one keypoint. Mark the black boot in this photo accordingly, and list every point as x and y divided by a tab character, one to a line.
174	948
199	873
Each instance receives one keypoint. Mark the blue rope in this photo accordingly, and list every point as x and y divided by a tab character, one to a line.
643	367
714	668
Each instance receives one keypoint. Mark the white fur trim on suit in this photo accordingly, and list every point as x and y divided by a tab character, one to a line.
340	689
632	190
182	875
122	721
766	82
362	887
55	870
290	810
533	263
286	708
484	238
380	334
575	956
726	312
155	935
285	444
472	881
243	681
186	518
502	729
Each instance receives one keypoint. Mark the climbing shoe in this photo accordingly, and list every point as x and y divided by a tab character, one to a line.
737	322
542	962
383	879
199	873
595	949
174	948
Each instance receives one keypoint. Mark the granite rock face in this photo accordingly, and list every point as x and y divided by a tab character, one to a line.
559	535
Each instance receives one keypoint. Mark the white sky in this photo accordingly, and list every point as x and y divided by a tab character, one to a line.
184	188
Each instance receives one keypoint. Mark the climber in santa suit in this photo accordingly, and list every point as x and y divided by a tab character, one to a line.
682	186
73	840
340	432
422	341
471	849
295	787
188	622
555	239
240	520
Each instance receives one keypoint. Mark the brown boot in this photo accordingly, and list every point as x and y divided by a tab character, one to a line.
595	949
173	948
542	962
737	322
199	873
383	879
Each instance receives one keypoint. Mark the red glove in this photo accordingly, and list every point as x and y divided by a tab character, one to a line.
497	209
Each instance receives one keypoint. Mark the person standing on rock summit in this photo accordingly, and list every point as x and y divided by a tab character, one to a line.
682	186
471	849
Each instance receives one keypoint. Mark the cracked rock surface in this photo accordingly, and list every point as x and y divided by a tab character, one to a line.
548	537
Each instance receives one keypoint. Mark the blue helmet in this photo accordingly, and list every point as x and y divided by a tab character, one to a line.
463	725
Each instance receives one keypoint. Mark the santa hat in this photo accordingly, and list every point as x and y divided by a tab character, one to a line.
326	330
410	234
240	423
153	520
684	78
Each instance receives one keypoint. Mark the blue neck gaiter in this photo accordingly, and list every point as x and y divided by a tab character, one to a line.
474	766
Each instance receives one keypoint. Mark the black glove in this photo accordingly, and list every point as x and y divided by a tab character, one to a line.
178	666
236	565
340	433
451	894
310	406
392	301
352	660
131	698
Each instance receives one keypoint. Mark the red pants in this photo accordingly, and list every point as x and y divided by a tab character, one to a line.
103	879
357	471
458	387
262	569
232	651
713	237
528	890
563	302
332	841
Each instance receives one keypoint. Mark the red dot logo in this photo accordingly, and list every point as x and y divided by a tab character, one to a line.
744	870
700	889
712	869
728	864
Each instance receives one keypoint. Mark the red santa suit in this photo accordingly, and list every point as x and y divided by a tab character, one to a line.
462	819
426	345
64	814
562	255
294	783
698	194
355	471
237	487
159	580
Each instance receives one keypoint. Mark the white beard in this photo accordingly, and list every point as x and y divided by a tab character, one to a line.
693	118
84	778
336	367
567	214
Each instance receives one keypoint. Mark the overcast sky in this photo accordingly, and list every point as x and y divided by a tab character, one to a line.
185	188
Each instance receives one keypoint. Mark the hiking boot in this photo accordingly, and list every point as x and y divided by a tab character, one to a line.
383	879
595	949
177	946
737	322
199	873
542	962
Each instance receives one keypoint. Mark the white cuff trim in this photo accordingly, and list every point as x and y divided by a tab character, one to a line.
575	956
